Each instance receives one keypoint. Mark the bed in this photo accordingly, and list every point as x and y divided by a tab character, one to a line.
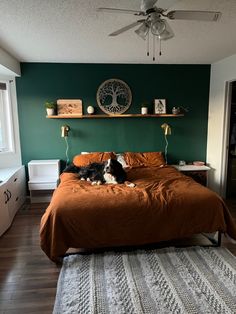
164	205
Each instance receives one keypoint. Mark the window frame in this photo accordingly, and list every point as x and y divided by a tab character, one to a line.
7	119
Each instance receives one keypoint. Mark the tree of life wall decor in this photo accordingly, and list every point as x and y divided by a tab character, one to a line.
114	96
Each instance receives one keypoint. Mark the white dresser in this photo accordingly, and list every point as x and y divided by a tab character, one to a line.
12	194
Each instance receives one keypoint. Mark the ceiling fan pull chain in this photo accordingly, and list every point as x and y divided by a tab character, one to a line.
160	52
154	50
148	43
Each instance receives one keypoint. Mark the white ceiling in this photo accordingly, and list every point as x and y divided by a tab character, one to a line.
73	31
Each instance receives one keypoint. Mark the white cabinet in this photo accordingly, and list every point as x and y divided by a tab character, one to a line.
4	215
43	179
12	194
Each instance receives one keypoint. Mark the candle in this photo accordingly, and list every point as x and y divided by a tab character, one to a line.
144	110
90	110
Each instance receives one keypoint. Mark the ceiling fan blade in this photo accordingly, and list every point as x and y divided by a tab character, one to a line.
126	28
194	15
147	4
113	10
166	4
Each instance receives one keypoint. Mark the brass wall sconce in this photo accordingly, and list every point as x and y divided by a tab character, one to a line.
65	130
167	131
64	133
166	128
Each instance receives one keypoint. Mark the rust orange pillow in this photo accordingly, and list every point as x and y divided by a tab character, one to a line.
149	159
86	159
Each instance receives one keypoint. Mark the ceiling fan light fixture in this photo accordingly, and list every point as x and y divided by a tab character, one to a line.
158	27
168	33
143	30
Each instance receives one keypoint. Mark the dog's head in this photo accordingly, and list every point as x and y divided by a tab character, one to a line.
112	166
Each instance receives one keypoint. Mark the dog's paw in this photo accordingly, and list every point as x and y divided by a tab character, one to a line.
130	184
96	182
88	180
82	179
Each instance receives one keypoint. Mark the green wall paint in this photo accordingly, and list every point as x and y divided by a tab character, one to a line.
186	85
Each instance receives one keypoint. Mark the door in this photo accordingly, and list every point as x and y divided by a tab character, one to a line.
231	171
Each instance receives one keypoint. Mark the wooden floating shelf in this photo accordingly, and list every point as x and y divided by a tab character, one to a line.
103	116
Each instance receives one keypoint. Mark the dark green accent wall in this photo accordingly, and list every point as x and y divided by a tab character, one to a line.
181	85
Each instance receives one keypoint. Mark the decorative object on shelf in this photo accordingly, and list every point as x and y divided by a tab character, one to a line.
175	110
167	131
51	107
159	106
69	107
90	110
182	163
179	110
198	163
153	21
183	109
114	97
64	133
144	109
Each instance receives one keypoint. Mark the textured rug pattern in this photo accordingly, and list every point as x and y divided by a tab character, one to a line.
178	281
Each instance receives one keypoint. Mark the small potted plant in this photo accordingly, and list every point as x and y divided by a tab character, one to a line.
50	107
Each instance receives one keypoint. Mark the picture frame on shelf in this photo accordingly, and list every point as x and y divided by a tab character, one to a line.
69	107
159	106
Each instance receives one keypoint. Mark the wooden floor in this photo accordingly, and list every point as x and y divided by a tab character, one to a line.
28	278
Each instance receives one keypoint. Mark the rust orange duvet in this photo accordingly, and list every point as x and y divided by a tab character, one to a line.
164	205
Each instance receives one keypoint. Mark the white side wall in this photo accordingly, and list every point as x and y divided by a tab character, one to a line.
221	72
9	64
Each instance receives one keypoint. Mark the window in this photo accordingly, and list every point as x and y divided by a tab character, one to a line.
6	128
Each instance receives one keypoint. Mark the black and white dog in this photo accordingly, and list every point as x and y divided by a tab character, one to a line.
110	172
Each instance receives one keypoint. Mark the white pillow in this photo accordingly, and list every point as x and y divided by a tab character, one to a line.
121	159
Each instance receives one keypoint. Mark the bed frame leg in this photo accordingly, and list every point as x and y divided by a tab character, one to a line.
219	239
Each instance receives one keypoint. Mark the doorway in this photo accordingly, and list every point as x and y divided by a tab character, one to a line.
231	169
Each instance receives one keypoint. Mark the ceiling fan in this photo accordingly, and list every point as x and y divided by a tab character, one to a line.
154	20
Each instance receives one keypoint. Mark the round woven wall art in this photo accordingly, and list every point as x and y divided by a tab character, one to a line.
114	96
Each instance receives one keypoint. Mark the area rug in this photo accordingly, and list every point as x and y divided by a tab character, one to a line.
173	280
